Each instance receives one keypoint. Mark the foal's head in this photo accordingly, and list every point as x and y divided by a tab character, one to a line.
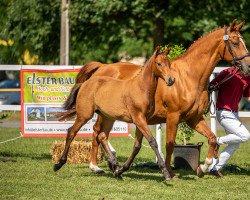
161	65
234	48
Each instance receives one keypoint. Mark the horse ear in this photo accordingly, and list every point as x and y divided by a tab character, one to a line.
232	26
157	50
239	26
167	51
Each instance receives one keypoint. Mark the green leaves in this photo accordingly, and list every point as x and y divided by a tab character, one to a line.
185	133
33	25
176	50
103	29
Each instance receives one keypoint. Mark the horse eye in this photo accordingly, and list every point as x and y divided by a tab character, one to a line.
159	64
235	44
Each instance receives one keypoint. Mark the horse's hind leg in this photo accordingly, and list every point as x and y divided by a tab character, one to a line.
203	129
136	149
72	131
102	128
95	145
102	137
98	128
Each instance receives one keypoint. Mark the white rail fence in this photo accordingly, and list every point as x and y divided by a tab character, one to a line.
158	127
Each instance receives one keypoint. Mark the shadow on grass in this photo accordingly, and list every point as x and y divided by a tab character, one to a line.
7	159
235	169
184	174
155	176
12	156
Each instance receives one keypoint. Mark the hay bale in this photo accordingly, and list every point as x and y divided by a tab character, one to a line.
79	152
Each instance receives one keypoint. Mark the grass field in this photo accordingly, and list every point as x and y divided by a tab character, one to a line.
26	173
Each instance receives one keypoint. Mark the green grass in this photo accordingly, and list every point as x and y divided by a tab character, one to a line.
26	173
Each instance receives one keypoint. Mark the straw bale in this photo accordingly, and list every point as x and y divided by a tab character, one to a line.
79	152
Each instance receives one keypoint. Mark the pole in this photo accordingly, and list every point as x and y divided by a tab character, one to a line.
64	34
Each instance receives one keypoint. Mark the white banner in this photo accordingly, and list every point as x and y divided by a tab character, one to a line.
43	94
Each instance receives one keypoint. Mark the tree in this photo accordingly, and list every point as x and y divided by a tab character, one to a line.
104	30
33	25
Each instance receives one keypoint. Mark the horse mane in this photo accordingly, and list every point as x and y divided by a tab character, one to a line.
197	42
148	62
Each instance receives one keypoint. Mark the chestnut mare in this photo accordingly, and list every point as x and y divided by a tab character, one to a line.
187	99
130	100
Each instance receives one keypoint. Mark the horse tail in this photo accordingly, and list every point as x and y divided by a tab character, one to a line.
84	74
87	71
71	100
67	114
69	104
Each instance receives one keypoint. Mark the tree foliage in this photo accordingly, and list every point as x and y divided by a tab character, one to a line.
33	25
104	30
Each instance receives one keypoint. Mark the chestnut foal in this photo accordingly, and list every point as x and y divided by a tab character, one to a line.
130	100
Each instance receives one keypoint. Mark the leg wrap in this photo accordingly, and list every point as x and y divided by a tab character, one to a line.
205	166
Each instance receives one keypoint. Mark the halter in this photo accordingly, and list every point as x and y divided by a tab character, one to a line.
236	63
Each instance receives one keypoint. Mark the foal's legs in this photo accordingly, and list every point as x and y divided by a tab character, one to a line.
102	137
136	149
99	127
203	129
72	131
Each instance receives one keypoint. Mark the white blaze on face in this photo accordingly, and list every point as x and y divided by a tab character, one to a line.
242	41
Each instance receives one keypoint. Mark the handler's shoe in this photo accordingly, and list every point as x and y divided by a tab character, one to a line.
216	173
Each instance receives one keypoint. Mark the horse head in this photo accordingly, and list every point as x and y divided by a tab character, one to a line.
162	65
234	48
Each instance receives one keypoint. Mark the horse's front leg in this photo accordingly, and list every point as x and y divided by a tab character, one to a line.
171	130
203	129
136	149
141	123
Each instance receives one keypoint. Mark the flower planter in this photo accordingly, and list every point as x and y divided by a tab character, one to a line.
187	156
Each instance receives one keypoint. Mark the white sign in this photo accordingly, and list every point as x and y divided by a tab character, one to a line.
43	94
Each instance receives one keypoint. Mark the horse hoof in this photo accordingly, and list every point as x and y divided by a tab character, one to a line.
199	172
118	173
167	174
167	178
175	178
172	174
95	168
110	166
118	176
57	167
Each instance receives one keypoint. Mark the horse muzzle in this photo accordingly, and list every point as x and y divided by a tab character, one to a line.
243	68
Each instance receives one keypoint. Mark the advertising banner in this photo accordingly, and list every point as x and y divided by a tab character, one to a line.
43	93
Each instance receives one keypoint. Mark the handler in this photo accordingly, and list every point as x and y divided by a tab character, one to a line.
229	95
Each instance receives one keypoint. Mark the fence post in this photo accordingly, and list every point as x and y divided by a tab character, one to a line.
213	109
158	135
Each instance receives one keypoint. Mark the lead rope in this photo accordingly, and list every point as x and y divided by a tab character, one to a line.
211	103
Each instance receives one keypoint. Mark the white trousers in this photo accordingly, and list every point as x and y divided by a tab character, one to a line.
236	133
